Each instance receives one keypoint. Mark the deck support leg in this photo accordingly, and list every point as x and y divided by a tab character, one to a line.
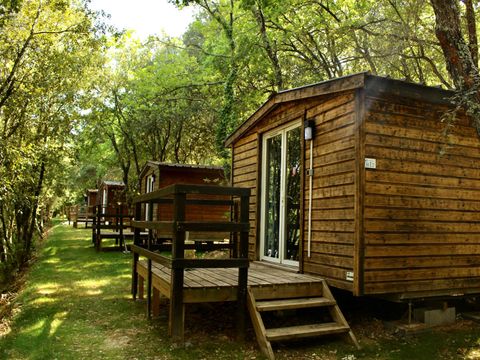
177	308
242	272
98	239
149	289
156	302
141	288
241	303
121	239
134	276
94	226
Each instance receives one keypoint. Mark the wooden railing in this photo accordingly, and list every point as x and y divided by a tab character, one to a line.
115	219
181	196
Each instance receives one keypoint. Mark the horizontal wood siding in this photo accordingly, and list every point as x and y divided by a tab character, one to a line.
422	202
332	234
244	167
333	221
183	175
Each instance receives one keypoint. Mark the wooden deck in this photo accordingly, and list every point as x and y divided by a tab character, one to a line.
214	285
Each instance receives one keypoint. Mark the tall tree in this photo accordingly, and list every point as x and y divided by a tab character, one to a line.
461	57
46	48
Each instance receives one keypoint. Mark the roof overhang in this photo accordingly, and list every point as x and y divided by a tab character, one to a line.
371	83
174	166
344	83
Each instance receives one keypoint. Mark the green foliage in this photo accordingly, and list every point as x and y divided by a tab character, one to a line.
46	48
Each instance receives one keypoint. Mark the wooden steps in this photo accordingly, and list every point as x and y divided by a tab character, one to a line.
336	325
302	331
288	304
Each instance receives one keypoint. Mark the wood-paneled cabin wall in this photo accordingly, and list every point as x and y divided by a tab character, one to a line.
185	175
333	185
422	202
409	227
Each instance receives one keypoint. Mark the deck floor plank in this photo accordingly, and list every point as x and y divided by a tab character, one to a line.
260	276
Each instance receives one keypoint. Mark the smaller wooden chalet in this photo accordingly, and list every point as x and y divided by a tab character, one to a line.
358	180
91	197
156	175
110	195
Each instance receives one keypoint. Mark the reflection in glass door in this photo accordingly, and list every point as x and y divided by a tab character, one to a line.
280	224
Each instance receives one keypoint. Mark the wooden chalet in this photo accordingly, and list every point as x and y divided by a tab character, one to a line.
157	175
384	200
91	197
111	217
110	195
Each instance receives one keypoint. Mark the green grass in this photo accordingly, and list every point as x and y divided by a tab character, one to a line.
76	304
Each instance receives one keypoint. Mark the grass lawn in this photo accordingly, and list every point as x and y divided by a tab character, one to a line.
76	304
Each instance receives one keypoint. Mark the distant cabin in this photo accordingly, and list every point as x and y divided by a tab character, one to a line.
390	205
110	195
91	197
156	175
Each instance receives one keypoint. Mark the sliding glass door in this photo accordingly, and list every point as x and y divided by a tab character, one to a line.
280	222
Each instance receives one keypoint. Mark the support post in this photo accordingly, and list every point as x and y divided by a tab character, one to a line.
121	227
242	272
177	313
94	225
137	216
134	275
149	288
98	240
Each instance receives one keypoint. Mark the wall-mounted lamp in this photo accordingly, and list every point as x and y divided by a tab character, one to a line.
309	126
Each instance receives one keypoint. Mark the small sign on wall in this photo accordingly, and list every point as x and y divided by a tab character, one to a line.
370	163
349	276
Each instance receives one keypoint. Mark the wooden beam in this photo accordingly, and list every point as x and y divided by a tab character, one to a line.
177	308
165	261
213	226
359	247
170	190
209	263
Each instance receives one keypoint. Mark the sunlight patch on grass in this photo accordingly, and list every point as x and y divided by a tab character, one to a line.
58	319
48	288
91	283
52	261
34	329
93	292
43	300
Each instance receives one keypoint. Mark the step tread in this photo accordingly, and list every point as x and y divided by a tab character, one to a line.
301	331
298	303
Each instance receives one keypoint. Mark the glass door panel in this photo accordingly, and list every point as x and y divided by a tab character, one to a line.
292	195
273	168
280	225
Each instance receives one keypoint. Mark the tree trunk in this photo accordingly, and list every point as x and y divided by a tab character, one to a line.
271	52
472	31
458	57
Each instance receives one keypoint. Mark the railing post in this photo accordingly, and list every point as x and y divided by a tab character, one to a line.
98	240
121	226
137	216
94	225
149	217
235	236
134	275
177	309
242	272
